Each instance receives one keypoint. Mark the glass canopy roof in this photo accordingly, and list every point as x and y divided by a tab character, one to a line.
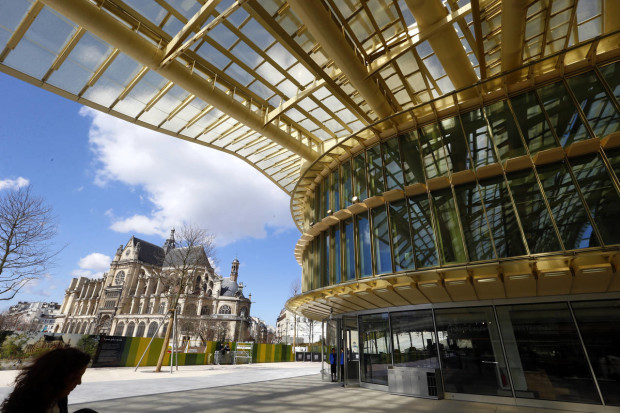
274	82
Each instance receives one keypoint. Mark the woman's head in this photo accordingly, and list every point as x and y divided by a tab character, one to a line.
52	376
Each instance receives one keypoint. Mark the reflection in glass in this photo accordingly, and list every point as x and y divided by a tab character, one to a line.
537	226
375	171
433	156
335	191
598	323
448	232
401	236
359	177
348	256
393	170
477	135
613	155
600	195
381	240
504	129
455	145
376	348
325	260
422	230
412	160
611	74
534	126
596	105
336	256
413	338
347	184
566	206
562	113
363	245
325	189
502	219
545	356
471	352
475	228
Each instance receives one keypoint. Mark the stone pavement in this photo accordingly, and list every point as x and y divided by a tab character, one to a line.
270	387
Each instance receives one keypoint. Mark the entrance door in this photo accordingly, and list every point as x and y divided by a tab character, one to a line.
351	352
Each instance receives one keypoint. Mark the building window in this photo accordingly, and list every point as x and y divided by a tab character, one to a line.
119	329
130	328
152	329
162	308
225	309
140	331
205	310
120	277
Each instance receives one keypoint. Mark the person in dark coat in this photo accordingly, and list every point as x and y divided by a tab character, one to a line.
332	363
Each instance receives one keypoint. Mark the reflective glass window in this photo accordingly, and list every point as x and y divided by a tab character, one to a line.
598	323
422	232
363	245
348	245
335	191
448	233
504	129
375	171
600	195
596	105
611	74
316	216
566	206
393	169
562	113
412	159
471	352
613	156
534	125
535	220
433	155
413	338
474	222
401	236
455	145
501	218
381	240
347	184
376	348
326	274
360	188
325	205
477	135
545	356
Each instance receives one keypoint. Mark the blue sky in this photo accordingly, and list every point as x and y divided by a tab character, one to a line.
107	180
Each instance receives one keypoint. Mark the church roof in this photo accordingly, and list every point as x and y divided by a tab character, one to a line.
192	256
230	288
149	253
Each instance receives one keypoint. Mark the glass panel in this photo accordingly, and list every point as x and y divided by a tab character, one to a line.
562	113
434	157
596	105
600	195
363	245
448	232
393	170
336	256
412	160
401	236
471	352
611	74
325	185
348	258
325	260
347	184
545	356
455	145
381	240
537	226
613	156
566	206
475	227
598	323
422	230
502	219
477	134
376	348
413	338
335	191
359	177
505	133
375	171
534	126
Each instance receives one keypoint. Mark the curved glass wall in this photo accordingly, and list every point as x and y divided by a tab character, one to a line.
496	211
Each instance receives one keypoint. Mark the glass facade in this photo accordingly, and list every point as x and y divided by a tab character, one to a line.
566	204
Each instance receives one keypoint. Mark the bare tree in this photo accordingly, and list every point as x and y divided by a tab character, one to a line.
27	227
185	260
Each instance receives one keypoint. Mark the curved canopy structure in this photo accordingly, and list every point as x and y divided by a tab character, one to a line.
278	83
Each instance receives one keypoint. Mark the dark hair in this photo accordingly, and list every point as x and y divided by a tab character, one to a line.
42	383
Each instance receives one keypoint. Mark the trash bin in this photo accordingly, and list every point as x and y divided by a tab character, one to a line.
415	381
299	356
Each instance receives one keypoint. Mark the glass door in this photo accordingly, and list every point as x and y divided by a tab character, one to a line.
351	352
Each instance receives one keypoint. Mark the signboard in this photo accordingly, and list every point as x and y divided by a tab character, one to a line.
109	351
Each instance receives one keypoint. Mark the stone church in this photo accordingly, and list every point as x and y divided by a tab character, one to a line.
132	298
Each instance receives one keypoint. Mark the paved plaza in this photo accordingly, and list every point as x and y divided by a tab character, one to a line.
273	387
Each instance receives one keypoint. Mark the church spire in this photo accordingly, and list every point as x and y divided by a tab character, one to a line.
170	242
234	271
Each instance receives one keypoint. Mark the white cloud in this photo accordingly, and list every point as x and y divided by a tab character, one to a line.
13	183
183	183
92	266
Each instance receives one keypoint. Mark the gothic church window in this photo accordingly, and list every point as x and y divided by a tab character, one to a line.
225	309
120	278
